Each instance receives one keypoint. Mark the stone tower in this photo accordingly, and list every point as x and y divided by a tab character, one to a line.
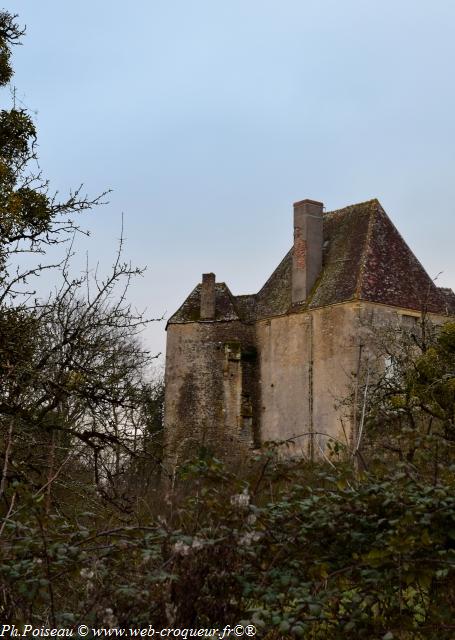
241	370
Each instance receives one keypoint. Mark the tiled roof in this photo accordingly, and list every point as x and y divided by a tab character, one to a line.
225	306
364	258
392	274
275	296
246	307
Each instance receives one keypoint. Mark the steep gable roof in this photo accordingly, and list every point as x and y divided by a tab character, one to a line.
392	274
364	258
275	296
190	311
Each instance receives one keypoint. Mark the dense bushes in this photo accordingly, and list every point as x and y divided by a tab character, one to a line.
307	553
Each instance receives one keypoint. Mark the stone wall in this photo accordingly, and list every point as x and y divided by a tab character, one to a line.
284	359
211	390
231	386
306	360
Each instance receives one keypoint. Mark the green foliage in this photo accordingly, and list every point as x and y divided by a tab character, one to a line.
26	210
431	382
342	555
350	559
17	345
17	133
407	388
10	34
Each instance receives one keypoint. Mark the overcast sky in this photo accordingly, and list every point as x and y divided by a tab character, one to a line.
209	118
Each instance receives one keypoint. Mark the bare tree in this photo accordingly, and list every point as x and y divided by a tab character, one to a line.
72	366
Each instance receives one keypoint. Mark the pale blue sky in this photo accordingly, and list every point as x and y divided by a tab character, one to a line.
209	118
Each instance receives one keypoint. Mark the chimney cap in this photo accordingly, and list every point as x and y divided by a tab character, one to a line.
308	201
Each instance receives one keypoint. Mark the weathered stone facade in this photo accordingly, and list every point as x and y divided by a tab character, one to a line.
242	370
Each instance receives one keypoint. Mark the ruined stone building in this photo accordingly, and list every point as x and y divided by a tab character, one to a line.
242	370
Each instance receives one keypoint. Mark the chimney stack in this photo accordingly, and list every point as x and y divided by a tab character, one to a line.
307	254
208	296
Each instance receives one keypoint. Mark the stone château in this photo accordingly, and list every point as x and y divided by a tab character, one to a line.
241	370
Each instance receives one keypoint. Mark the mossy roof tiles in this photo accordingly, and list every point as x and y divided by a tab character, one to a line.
225	306
364	258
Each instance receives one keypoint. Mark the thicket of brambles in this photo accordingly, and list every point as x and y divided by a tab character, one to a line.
95	529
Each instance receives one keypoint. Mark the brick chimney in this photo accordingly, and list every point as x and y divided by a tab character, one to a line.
208	296
307	254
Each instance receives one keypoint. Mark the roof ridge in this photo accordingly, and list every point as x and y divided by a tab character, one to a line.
363	256
373	201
